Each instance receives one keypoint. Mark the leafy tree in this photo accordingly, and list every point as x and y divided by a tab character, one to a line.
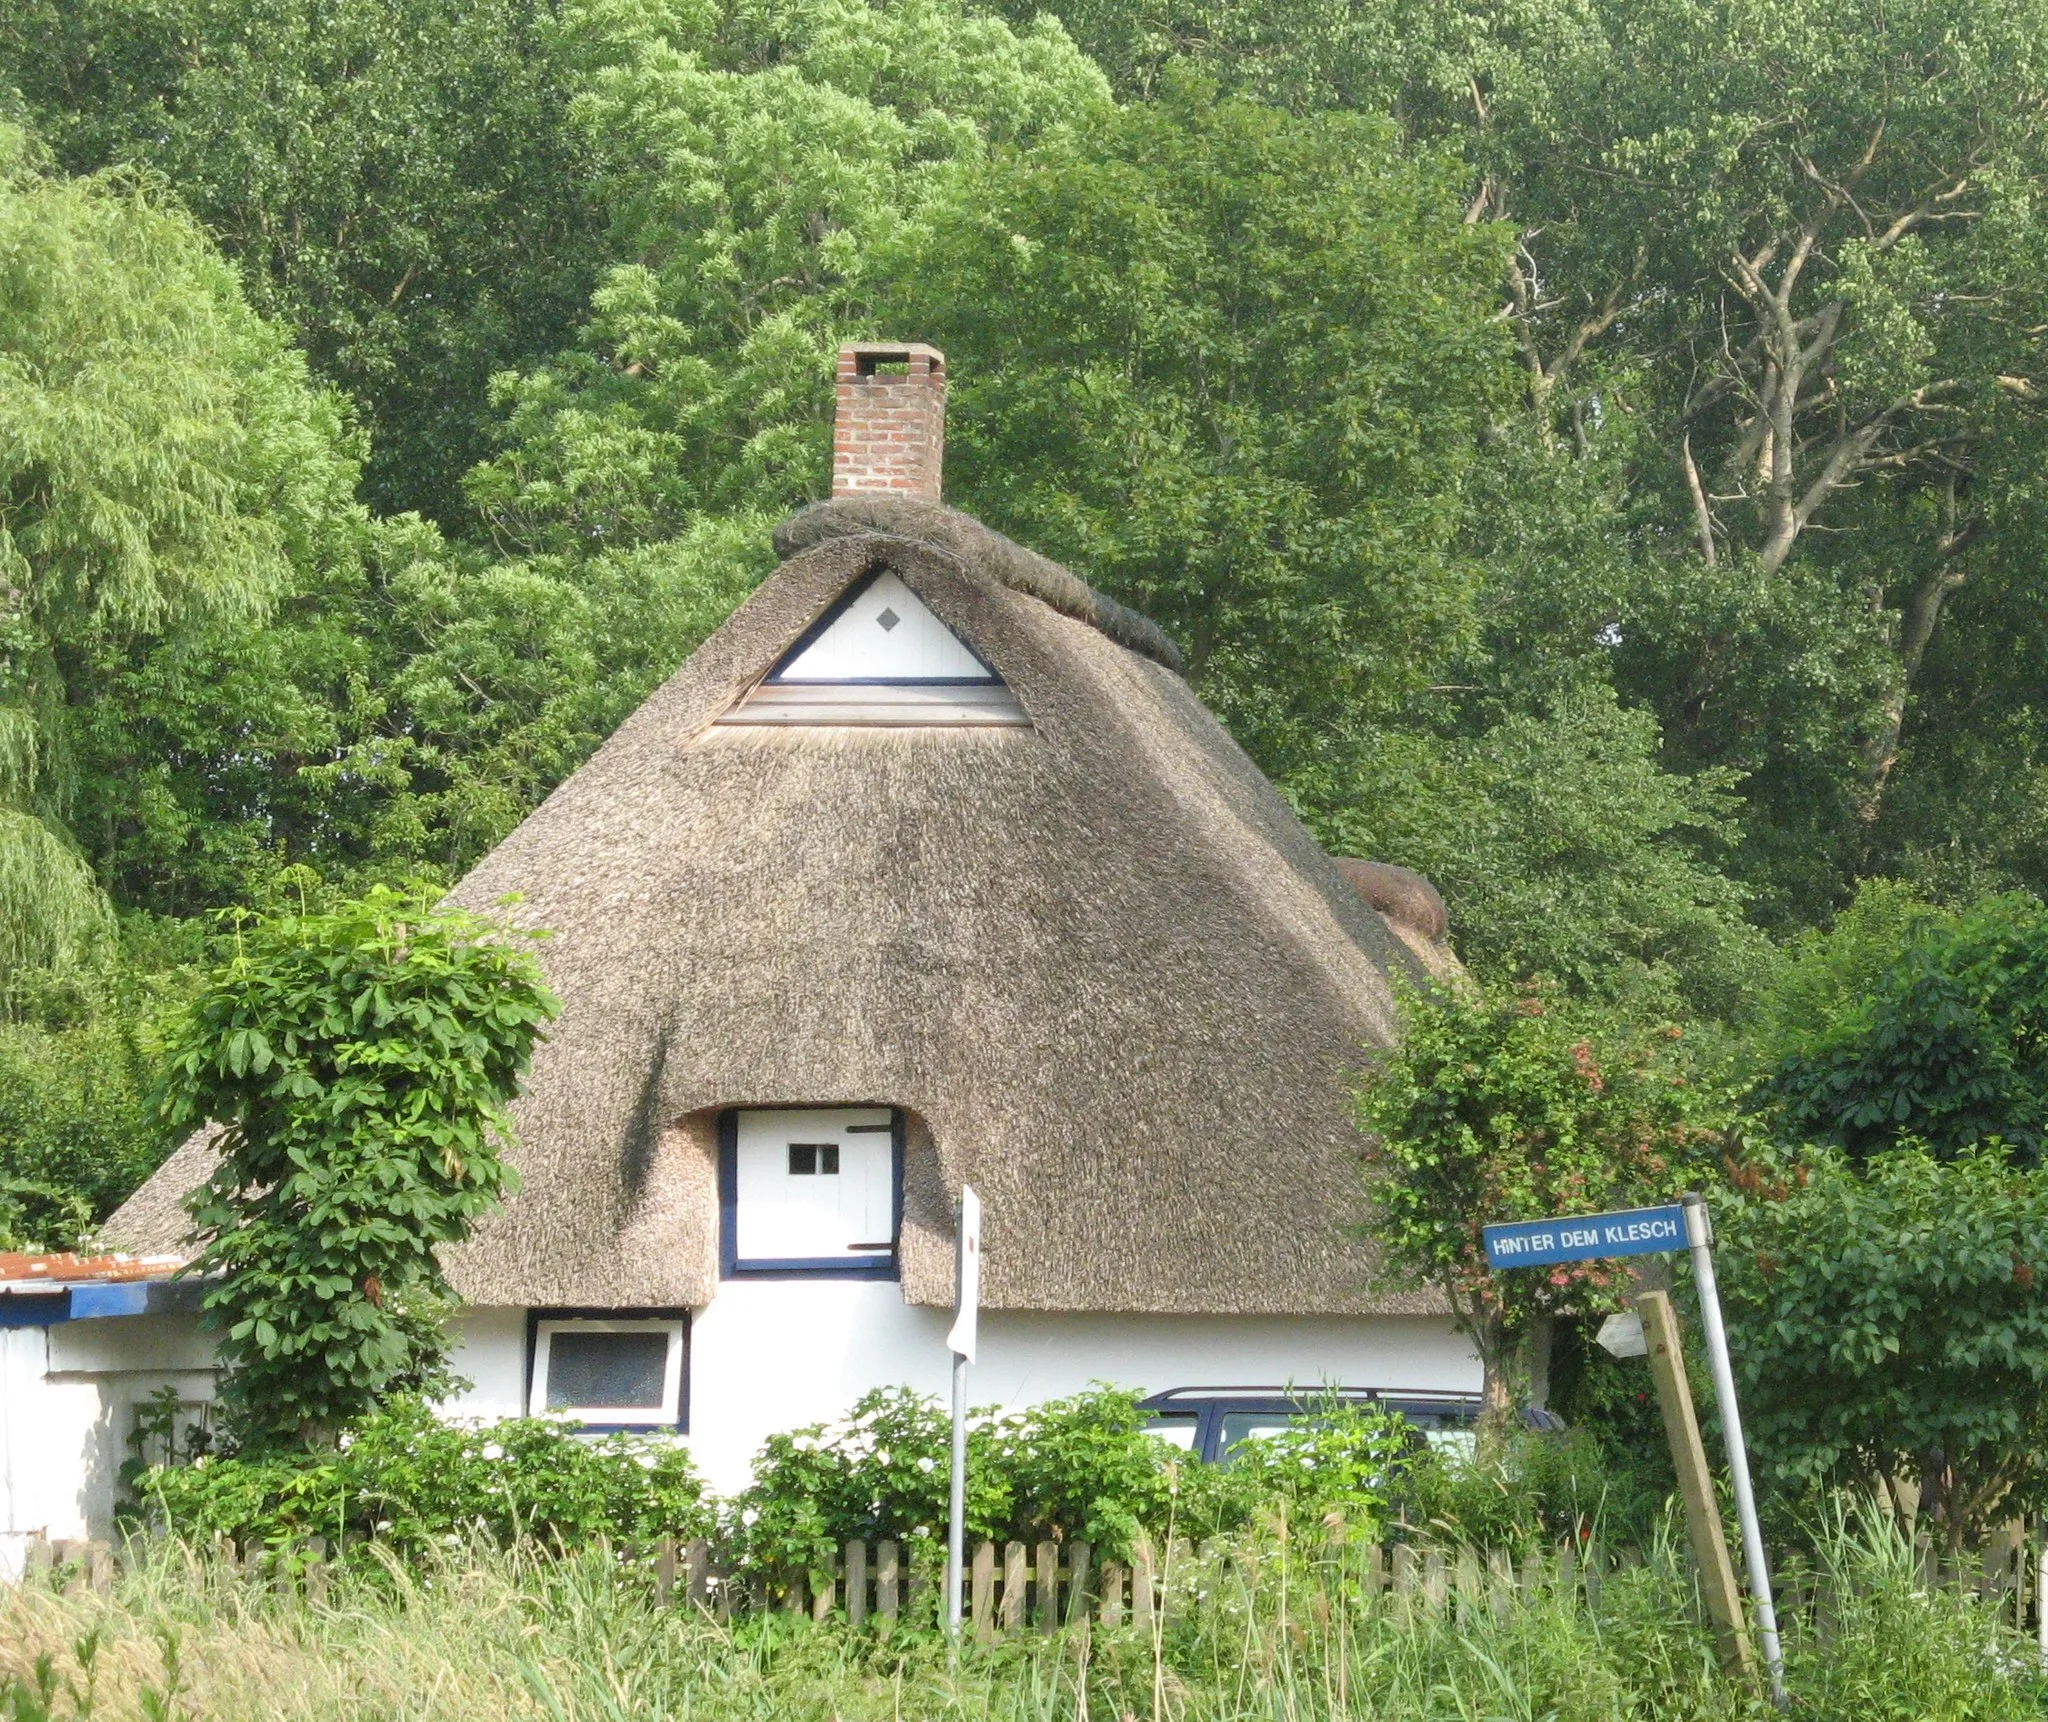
1236	366
1945	1045
397	716
1777	269
1795	241
81	1052
163	463
1563	849
397	180
358	1061
1824	971
755	160
1517	1107
1886	1322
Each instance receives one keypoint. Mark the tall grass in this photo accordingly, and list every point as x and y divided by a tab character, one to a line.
482	1635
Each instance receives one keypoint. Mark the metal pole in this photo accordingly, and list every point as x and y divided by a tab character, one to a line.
2041	1595
1699	1237
956	1499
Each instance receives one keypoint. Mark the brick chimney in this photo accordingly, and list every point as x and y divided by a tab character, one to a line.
889	429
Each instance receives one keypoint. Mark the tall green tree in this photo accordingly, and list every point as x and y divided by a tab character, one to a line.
396	179
755	161
1776	269
1236	366
394	717
165	465
358	1062
1246	370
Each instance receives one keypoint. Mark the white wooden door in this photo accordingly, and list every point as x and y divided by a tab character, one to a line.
815	1185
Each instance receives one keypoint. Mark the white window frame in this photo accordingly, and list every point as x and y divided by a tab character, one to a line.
667	1415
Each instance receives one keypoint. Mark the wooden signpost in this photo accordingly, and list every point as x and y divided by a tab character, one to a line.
1655	1231
1695	1482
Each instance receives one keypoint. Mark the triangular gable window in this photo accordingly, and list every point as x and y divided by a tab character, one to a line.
880	657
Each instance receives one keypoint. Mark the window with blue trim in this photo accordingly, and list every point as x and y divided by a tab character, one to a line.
812	1190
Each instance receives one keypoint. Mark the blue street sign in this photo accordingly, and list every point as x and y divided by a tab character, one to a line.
1632	1232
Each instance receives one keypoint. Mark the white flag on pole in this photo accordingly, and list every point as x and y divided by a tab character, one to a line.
967	1277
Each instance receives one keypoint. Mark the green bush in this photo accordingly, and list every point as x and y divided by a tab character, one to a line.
1889	1321
1080	1469
1532	1491
1511	1106
406	1480
1084	1468
1342	1468
880	1471
1939	1039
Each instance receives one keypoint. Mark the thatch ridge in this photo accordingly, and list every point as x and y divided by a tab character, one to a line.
983	549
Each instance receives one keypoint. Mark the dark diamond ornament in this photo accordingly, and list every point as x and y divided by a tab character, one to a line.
888	620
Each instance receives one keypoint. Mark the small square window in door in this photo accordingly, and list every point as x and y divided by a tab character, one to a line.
814	1159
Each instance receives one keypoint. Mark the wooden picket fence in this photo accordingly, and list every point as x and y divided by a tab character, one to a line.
1055	1585
1019	1587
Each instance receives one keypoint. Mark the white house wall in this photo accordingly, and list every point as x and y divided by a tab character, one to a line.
490	1354
767	1355
770	1355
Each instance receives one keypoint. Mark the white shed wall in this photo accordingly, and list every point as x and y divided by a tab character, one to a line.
67	1404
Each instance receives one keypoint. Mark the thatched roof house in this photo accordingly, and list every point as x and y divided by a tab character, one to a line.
1095	958
1040	905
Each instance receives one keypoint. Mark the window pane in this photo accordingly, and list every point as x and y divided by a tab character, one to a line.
621	1369
1250	1425
1181	1431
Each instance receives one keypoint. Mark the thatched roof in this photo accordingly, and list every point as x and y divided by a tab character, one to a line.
1101	965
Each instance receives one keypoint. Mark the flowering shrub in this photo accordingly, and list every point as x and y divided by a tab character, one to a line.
1079	1469
1085	1468
880	1471
405	1479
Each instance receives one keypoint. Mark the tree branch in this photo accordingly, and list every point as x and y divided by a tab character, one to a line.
1702	514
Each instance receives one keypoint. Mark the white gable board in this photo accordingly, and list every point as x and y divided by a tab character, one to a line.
884	635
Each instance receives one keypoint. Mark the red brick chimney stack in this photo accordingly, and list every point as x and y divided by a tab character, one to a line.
889	430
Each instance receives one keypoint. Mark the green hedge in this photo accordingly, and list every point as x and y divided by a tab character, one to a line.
404	1479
